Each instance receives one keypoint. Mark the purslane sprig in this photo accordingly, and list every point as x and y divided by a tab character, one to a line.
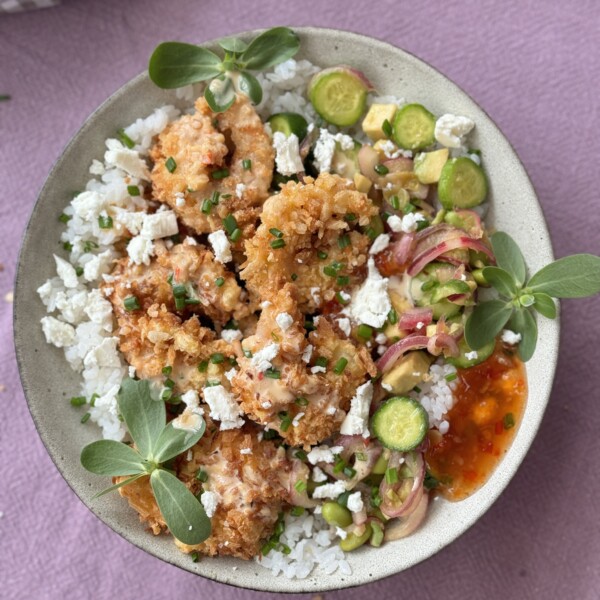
156	443
175	64
574	276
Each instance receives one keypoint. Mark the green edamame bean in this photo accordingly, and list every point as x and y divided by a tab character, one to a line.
336	515
353	541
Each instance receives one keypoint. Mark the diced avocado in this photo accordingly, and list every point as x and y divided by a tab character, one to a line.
345	162
363	184
372	124
429	165
409	371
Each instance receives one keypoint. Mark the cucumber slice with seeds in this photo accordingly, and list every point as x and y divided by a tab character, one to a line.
462	184
413	127
462	362
400	424
288	123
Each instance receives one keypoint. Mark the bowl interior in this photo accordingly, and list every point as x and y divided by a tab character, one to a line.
48	380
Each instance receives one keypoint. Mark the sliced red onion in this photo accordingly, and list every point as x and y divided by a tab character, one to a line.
459	243
395	351
442	342
404	527
404	248
352	445
400	164
410	488
411	318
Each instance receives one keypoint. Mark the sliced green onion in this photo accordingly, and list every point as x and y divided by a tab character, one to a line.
169	383
285	424
276	244
225	196
131	303
212	383
179	290
270	434
166	394
422	224
267	548
301	455
93	399
340	465
381	169
276	232
203	366
247	164
89	246
417	389
170	164
349	472
217	358
321	361
409	208
230	224
294	276
309	325
105	222
340	298
360	456
179	303
64	218
195	556
68	246
322	255
350	217
342	499
125	139
391	476
214	199
340	365
220	174
247	353
78	401
273	374
236	234
191	301
344	241
202	475
301	401
393	317
286	549
86	417
167	370
297	511
133	190
395	202
376	497
300	486
206	206
508	421
330	271
386	127
79	271
364	331
451	377
343	280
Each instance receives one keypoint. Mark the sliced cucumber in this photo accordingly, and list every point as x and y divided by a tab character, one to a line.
288	123
400	423
462	362
462	184
414	127
339	95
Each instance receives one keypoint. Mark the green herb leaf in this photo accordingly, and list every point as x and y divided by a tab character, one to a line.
220	94
248	84
175	64
545	305
485	322
523	322
502	280
270	48
121	484
173	442
574	276
183	513
233	44
509	256
107	457
144	417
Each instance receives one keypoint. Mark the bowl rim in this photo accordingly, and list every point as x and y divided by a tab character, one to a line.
300	586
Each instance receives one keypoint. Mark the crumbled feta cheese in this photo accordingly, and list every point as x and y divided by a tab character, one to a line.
510	337
345	296
315	293
323	454
297	418
230	374
420	325
266	404
382	241
66	271
262	359
160	225
88	205
443	427
131	372
287	150
96	168
284	320
189	420
450	130
105	354
240	188
140	249
307	354
190	241
330	410
407	224
357	419
97	265
191	399
371	304
341	533
381	338
355	502
329	490
471	355
344	325
223	407
221	246
246	451
387	387
389	149
265	304
179	199
231	335
318	369
57	333
210	501
325	148
318	475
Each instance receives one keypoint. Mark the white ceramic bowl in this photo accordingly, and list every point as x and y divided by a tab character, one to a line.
48	381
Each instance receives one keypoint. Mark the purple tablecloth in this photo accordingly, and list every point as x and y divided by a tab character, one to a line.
534	66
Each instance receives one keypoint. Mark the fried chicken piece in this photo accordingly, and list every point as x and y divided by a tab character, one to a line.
319	220
209	150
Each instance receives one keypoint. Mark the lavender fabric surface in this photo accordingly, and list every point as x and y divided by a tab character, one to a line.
533	66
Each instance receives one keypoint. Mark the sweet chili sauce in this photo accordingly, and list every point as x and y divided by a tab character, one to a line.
489	404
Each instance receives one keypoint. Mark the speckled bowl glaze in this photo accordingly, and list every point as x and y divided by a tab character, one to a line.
48	380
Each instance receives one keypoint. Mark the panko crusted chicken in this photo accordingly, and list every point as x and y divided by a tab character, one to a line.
247	480
288	383
318	242
226	157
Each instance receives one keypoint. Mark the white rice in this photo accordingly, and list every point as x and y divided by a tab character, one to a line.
436	395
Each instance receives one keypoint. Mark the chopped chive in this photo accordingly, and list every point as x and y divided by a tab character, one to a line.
78	401
125	139
371	233
395	202
235	235
270	434
330	271
68	246
131	303
276	232
381	169
376	497
451	377
340	298
385	216
133	190
247	164
195	556
166	371
301	455
79	271
343	280
191	301
179	303
169	383
349	472
508	421
93	399
360	456
86	417
409	208
364	331
202	475
391	476
294	276
285	423
105	222
417	389
230	224
89	245
339	465
203	366
428	285
430	482
321	361
342	499
422	224
170	164
231	324
220	174
386	127
297	511
286	549
225	196
212	383
217	358
276	244
273	374
340	365
206	206
64	218
350	217
309	325
214	199
301	401
300	486
166	394
393	317
219	281
344	241
322	255
179	290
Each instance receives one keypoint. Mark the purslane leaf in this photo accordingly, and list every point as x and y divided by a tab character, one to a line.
485	322
233	44
121	484
183	513
508	256
544	305
173	442
523	322
270	48
107	457
145	418
574	276
175	64
249	85
501	280
220	94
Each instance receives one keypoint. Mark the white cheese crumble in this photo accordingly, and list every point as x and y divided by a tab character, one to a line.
240	188
246	451
382	241
371	304
307	354
284	320
220	245
323	454
341	533
407	224
66	271
315	293
179	199
231	374
231	335
357	419
287	158
223	407
140	249
344	325
318	369
318	475
450	130
355	502
297	418
510	337
329	490
191	418
262	359
325	148
210	501
160	225
387	387
472	355
330	410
